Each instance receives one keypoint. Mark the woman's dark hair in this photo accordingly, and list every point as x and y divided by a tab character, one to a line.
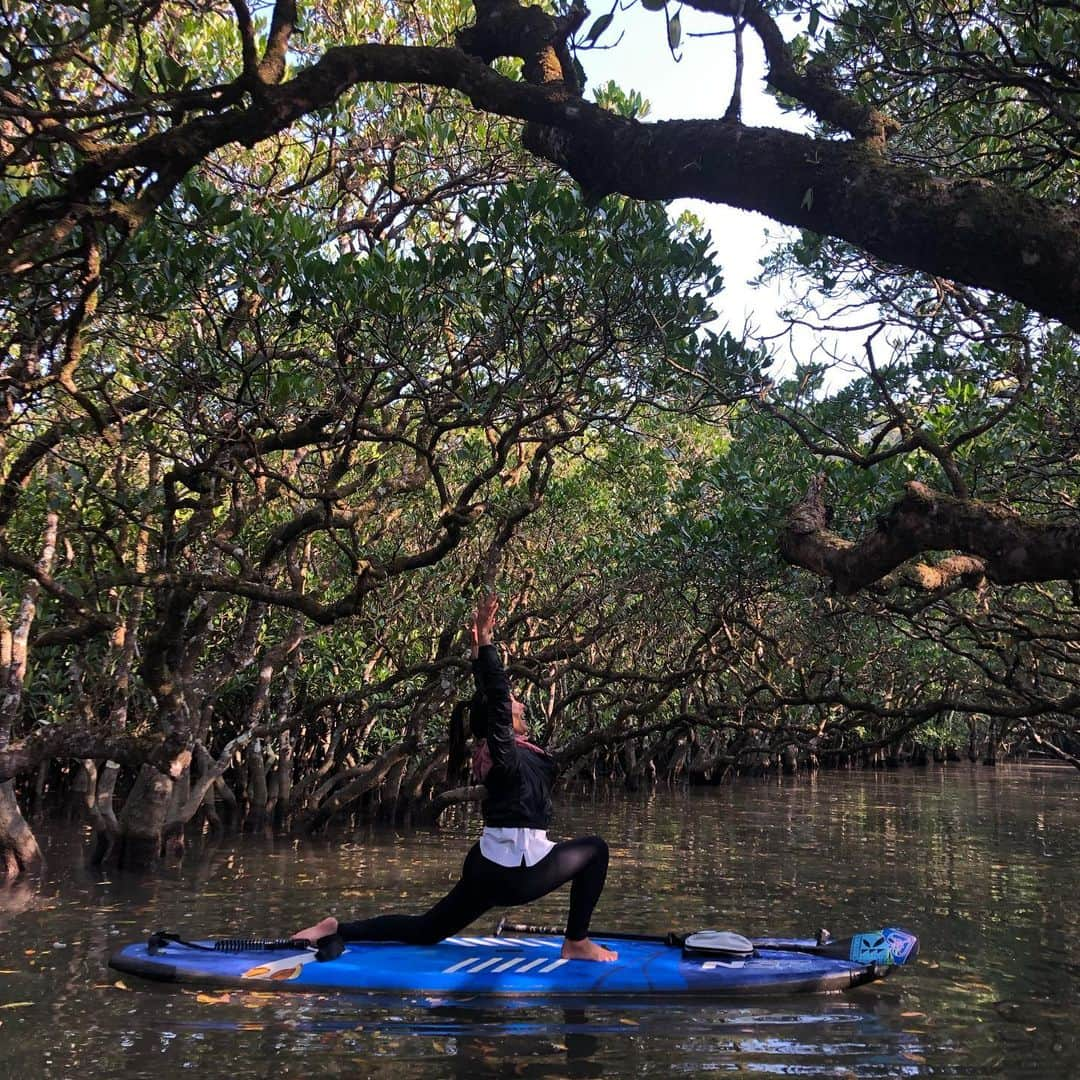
478	715
457	744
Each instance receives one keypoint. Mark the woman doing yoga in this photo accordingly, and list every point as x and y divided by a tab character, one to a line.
514	861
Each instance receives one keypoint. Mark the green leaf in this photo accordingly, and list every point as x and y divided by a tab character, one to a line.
599	26
654	5
674	31
173	75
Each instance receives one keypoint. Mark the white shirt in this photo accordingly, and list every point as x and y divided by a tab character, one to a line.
509	847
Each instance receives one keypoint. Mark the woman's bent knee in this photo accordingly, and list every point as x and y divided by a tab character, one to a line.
600	846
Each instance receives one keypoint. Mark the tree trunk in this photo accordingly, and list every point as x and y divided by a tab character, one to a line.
283	775
255	821
418	784
283	802
173	843
204	764
225	797
142	821
41	779
390	792
631	775
103	816
79	794
361	781
19	851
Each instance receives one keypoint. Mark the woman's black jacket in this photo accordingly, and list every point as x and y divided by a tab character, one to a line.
520	780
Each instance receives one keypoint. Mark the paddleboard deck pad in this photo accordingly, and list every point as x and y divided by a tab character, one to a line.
524	966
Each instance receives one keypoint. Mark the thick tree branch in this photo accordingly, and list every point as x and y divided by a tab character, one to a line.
247	38
271	68
55	741
453	797
994	540
1050	747
23	466
978	233
69	600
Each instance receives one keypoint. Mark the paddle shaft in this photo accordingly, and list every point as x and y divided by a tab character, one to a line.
532	928
840	949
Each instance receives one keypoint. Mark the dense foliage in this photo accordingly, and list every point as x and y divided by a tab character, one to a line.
296	368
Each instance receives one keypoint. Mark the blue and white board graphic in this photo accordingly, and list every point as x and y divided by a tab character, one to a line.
889	946
515	966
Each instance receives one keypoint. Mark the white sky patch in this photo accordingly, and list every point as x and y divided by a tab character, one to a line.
699	87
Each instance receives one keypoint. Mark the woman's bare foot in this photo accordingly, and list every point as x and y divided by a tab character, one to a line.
586	950
322	929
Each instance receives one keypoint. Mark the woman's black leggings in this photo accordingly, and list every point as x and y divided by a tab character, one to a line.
485	884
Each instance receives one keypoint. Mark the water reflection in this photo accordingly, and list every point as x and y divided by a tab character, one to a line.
983	865
478	1039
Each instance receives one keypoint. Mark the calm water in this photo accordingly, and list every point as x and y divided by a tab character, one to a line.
984	865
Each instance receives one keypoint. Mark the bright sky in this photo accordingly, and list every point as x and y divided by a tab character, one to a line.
700	85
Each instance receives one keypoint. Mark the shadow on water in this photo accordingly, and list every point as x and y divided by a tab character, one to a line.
983	865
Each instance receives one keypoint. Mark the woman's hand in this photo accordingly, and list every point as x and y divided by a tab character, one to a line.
483	624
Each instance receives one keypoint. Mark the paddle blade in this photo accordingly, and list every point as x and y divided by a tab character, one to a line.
718	943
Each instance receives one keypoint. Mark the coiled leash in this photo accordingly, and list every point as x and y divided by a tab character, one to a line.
326	948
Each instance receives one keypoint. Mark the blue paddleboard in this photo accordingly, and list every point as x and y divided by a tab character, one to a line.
523	965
